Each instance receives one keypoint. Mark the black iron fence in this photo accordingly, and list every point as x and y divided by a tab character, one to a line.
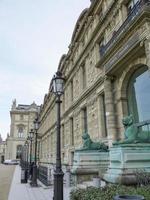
43	175
144	128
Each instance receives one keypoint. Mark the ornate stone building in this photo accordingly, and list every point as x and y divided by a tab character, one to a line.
22	117
2	150
106	74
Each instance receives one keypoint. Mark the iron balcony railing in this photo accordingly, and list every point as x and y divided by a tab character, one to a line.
136	10
43	175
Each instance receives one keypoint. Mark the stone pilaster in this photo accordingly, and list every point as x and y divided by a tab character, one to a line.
147	52
110	111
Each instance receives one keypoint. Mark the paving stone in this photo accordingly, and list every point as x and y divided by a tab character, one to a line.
26	192
6	174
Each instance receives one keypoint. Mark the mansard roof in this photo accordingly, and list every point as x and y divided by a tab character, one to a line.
25	108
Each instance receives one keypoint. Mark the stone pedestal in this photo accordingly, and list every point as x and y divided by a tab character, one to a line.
68	178
125	161
96	182
88	164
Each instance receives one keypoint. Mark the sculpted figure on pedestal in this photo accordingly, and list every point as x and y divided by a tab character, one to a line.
133	132
88	144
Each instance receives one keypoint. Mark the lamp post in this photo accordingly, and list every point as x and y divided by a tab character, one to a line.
30	137
58	82
26	154
24	165
34	175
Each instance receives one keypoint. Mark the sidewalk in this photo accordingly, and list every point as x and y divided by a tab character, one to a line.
26	192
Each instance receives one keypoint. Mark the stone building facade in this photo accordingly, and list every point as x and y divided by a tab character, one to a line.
22	117
107	77
2	150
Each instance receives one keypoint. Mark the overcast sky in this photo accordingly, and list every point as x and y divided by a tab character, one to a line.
33	36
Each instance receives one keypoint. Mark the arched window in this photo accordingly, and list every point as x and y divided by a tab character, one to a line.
20	131
18	151
139	95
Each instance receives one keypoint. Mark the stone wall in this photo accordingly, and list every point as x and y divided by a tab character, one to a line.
95	77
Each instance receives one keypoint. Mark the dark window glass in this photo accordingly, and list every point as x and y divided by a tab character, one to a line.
20	132
85	124
72	157
83	76
72	130
139	95
19	151
71	88
104	115
63	136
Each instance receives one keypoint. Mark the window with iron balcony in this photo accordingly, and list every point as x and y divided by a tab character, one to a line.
134	8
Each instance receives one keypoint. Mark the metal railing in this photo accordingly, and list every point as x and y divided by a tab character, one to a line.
144	128
43	175
136	10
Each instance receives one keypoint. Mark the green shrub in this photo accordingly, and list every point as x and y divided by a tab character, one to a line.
108	192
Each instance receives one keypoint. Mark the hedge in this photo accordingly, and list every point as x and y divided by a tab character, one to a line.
108	192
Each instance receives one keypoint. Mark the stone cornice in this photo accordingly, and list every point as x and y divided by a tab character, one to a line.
25	112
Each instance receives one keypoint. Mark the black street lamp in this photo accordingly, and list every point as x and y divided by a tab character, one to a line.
58	83
26	154
24	163
34	174
30	137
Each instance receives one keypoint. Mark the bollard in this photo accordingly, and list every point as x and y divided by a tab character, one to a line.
24	175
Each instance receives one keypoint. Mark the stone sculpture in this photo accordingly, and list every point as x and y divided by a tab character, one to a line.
133	133
88	144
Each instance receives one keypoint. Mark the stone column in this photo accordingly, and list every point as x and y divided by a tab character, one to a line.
147	52
110	111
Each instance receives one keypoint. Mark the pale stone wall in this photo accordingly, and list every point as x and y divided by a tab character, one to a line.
95	80
2	150
21	116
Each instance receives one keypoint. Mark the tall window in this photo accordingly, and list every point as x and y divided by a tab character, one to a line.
18	151
63	102
103	115
39	147
71	90
63	135
72	158
20	132
72	130
85	122
83	71
21	117
139	95
102	47
63	157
